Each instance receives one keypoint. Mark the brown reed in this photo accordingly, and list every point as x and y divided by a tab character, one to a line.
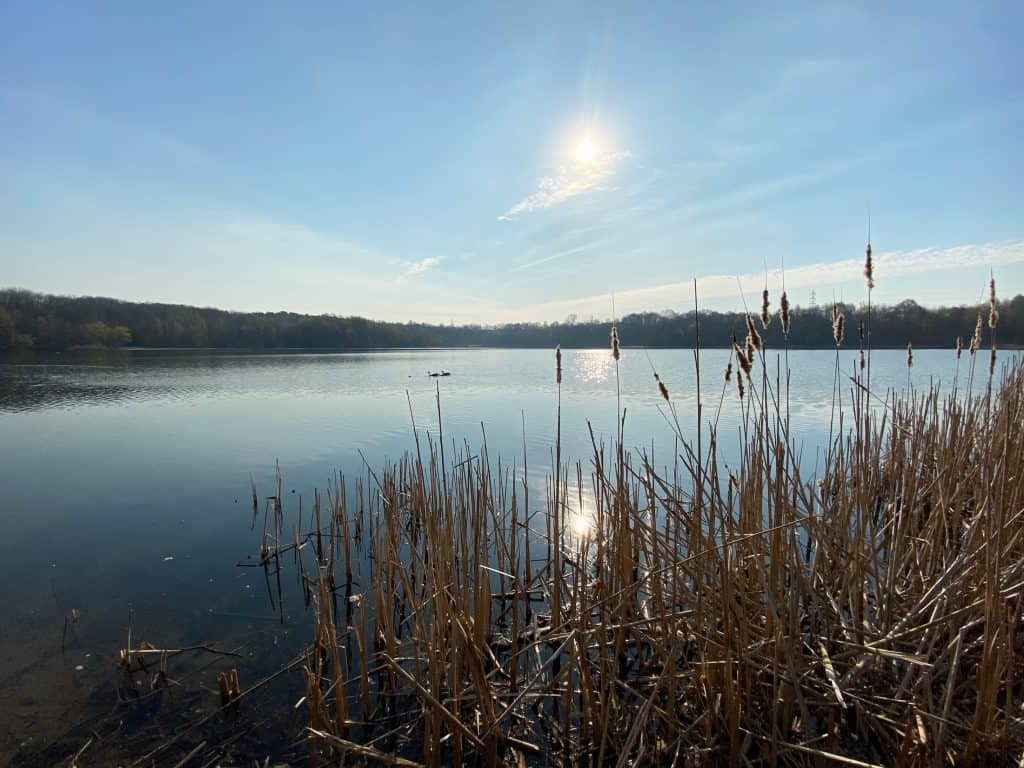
662	389
838	320
993	311
743	358
869	267
784	313
754	341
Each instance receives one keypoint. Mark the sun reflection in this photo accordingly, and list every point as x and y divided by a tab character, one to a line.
581	524
593	365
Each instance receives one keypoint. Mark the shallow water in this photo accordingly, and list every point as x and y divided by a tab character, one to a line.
126	486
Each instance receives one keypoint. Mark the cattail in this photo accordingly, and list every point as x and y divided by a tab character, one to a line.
728	371
869	268
992	360
739	386
862	359
661	387
765	317
838	319
993	313
753	337
742	360
959	346
976	338
615	343
558	364
784	313
910	354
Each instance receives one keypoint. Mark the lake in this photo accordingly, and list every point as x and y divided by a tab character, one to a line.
126	487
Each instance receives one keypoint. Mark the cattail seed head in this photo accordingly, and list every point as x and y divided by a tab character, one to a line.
753	337
661	387
615	343
558	364
784	313
739	386
862	360
910	354
869	268
838	319
742	360
992	360
959	346
993	312
976	338
728	371
765	317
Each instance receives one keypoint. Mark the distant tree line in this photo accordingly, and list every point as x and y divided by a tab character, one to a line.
31	320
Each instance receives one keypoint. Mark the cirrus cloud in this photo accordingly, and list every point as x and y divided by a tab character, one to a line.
421	266
569	182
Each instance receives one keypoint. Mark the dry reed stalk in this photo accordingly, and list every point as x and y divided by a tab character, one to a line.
993	311
662	389
753	337
976	337
869	267
838	321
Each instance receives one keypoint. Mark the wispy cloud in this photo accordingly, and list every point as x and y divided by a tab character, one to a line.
892	264
421	266
569	182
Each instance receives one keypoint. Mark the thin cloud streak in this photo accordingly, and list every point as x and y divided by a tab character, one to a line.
568	183
421	266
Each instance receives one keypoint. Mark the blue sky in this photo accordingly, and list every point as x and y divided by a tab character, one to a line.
422	161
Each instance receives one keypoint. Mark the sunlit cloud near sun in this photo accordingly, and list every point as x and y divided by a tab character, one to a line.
589	168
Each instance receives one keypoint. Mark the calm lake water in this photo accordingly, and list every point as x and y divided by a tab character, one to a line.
125	484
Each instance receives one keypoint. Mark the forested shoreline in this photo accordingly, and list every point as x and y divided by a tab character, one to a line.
30	320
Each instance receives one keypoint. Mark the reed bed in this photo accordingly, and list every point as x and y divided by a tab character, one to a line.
867	612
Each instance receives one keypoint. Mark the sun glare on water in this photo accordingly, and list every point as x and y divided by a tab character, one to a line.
586	151
581	524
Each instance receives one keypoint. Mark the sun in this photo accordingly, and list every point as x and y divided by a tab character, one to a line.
586	151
